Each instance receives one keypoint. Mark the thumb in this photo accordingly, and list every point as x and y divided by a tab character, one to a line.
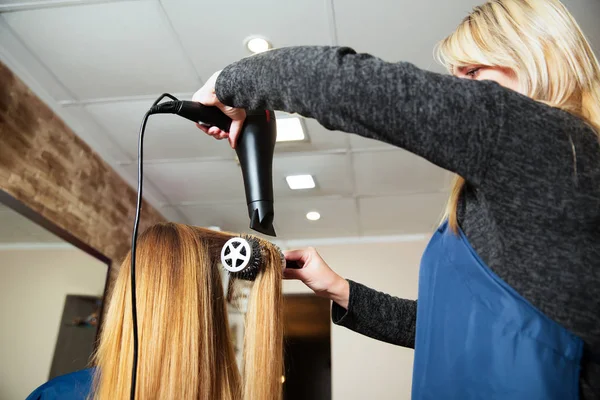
238	116
234	132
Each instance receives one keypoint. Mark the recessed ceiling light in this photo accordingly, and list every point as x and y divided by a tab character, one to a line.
313	216
257	44
296	182
289	129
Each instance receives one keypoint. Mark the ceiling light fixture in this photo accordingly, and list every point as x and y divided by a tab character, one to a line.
313	216
296	182
289	129
257	44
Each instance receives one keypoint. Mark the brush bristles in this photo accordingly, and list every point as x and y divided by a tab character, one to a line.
257	259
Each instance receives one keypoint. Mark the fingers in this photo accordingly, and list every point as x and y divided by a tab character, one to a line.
234	132
213	131
217	133
203	128
238	116
295	255
293	274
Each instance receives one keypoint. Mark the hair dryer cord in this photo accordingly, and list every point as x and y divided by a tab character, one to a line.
134	242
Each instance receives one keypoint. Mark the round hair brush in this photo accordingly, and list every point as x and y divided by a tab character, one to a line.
242	257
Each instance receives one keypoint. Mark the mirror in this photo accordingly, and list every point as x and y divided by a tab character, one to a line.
50	304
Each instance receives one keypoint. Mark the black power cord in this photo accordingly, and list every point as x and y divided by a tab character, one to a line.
134	241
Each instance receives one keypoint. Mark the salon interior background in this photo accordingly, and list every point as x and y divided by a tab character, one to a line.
99	64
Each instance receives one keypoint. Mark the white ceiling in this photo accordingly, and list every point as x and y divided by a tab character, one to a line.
100	64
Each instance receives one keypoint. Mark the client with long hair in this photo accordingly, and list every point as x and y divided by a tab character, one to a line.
185	346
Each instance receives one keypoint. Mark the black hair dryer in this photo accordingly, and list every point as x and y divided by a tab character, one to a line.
254	148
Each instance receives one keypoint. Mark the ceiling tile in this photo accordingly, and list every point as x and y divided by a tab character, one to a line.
106	50
397	171
221	180
338	218
396	215
319	139
11	1
284	23
400	30
331	172
362	143
232	216
173	214
167	136
195	181
14	54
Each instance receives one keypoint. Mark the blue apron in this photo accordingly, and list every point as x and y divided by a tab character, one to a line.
477	338
73	386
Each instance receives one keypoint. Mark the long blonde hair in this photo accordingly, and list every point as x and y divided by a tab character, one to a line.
543	44
185	347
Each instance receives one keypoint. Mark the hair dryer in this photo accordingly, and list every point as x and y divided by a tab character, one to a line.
255	147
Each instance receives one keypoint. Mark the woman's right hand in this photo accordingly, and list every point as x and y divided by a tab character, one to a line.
316	274
207	95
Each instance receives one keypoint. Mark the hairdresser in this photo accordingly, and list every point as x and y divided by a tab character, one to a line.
509	286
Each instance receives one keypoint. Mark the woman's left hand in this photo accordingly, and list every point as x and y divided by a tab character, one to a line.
207	96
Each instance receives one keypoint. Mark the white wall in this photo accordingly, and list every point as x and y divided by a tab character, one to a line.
33	286
363	368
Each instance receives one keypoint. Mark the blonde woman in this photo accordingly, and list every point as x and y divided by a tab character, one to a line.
509	287
186	351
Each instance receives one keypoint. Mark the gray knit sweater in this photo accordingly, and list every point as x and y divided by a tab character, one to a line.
531	207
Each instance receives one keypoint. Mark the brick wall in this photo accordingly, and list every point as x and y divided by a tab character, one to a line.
47	167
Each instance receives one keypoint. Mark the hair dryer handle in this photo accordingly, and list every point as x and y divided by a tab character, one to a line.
209	115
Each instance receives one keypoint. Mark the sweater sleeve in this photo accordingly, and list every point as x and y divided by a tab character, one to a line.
454	123
378	315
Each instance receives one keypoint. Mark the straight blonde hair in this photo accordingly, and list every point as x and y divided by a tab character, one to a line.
543	44
185	346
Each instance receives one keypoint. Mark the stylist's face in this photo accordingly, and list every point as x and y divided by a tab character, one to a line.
504	76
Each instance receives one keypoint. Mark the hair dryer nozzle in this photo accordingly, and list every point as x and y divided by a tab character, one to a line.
261	217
